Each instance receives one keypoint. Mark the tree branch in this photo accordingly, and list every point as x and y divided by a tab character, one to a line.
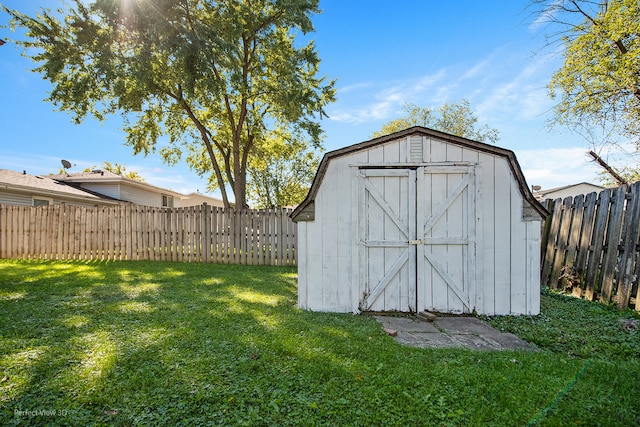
206	139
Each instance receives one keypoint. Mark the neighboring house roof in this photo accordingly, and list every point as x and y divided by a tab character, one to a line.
46	187
193	199
100	177
568	190
419	130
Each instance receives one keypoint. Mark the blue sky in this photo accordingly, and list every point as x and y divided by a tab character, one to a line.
383	54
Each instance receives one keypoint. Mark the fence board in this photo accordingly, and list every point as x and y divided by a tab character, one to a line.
552	227
562	242
577	213
237	228
587	229
19	231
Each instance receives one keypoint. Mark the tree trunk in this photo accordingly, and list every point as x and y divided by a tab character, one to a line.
240	190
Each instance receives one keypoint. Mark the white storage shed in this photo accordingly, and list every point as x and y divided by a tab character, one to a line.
419	220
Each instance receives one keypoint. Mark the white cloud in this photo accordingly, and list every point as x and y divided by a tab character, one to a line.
555	167
545	15
477	69
429	81
523	96
386	104
352	87
506	89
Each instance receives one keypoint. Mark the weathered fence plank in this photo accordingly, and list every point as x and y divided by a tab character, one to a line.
610	257
577	213
587	229
593	267
562	241
627	257
552	226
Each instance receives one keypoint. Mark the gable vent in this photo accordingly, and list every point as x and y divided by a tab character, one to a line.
415	149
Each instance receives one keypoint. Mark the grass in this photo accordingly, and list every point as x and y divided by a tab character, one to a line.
142	343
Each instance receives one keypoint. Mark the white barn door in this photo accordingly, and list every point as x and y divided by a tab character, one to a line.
446	238
417	239
387	222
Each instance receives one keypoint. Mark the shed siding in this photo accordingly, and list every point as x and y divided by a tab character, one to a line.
303	266
328	239
502	242
487	256
504	272
518	254
532	277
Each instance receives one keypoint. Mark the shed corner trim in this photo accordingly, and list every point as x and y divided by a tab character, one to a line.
307	212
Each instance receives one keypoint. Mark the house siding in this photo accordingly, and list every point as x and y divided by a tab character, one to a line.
15	199
109	190
140	197
570	191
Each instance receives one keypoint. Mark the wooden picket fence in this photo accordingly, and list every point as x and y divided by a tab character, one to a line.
129	232
591	246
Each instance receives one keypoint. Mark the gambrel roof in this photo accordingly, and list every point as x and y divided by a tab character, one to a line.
305	211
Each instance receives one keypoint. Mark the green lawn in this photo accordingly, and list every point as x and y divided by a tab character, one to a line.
143	343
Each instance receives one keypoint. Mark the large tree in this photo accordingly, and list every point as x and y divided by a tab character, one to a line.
598	85
282	172
214	76
455	118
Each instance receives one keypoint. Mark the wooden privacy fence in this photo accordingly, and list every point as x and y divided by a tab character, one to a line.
591	246
129	232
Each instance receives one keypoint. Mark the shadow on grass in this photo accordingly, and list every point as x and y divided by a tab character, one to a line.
137	342
191	344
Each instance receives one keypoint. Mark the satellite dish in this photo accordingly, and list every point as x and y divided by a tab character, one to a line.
536	188
65	164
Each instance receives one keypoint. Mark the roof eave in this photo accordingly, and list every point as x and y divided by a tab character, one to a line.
49	194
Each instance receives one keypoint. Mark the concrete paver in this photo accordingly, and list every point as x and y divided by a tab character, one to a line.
446	332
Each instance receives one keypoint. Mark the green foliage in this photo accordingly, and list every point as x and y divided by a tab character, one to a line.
150	343
119	169
629	174
577	328
281	172
215	77
599	81
456	118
